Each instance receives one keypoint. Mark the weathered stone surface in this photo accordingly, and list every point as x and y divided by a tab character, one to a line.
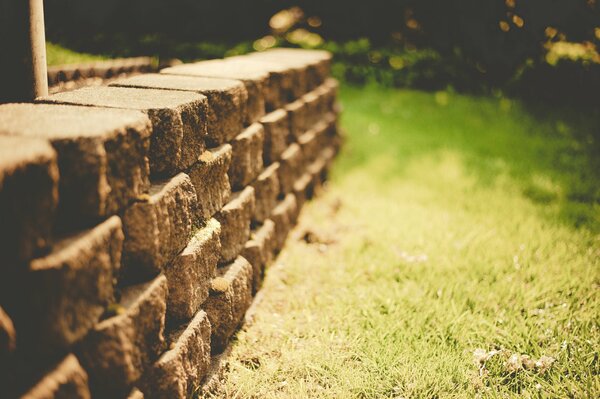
211	180
102	153
179	371
266	190
330	93
61	296
310	145
290	168
28	197
119	350
319	168
312	112
67	380
254	79
297	117
277	134
192	270
284	216
303	189
235	220
8	336
158	227
259	251
227	100
315	64
230	297
247	161
285	82
178	120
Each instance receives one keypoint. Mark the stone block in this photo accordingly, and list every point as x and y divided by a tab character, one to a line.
211	180
227	100
310	145
179	371
297	117
247	161
284	216
235	220
266	191
259	251
102	154
330	94
178	120
28	197
158	227
121	348
189	275
285	82
230	297
312	105
277	135
315	64
61	296
255	80
290	168
303	189
66	380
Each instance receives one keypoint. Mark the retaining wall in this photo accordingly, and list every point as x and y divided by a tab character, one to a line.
137	219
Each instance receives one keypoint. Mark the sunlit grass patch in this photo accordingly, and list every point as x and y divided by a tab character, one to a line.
448	231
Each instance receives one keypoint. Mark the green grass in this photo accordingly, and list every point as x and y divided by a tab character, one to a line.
451	223
58	55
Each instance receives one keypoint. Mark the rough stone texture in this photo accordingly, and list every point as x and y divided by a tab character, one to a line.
102	153
247	161
60	297
179	371
277	134
228	301
259	251
314	64
330	94
312	104
309	144
119	350
285	82
290	168
67	380
303	189
158	227
178	120
235	220
320	167
298	119
192	270
254	79
266	190
284	216
8	336
211	180
28	197
226	100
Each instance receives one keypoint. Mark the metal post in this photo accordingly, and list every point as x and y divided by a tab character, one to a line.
23	69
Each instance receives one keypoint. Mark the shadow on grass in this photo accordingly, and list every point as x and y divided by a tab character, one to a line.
552	154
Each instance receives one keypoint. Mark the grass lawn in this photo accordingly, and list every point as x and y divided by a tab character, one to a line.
456	232
58	55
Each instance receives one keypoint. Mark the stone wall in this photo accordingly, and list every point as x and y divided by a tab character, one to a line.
137	219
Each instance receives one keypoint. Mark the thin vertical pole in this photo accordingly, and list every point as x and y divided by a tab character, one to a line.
37	34
23	70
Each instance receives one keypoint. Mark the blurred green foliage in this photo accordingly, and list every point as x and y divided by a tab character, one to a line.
533	48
